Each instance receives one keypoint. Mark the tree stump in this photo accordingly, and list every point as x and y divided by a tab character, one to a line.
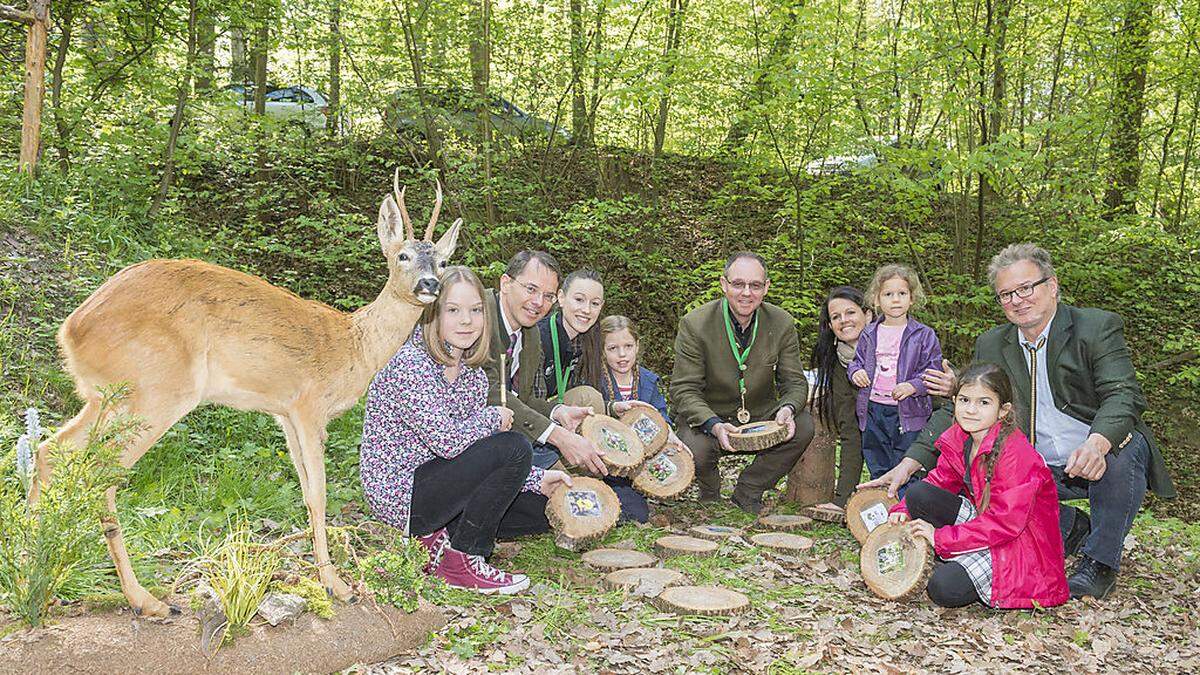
715	532
782	542
704	600
643	580
811	480
783	521
609	559
675	544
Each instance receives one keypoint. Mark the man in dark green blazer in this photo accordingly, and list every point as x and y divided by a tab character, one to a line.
527	292
727	343
1075	386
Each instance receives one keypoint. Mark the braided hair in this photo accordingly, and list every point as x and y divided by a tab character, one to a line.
824	357
608	325
993	378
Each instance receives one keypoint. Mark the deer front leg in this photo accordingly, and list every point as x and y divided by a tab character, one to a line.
73	433
313	452
139	598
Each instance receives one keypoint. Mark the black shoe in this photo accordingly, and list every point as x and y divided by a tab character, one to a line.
1081	527
1091	578
709	495
751	505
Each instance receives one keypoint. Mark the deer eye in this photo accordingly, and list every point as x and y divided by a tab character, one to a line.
403	257
442	263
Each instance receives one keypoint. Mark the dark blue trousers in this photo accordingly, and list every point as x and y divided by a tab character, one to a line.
633	504
883	444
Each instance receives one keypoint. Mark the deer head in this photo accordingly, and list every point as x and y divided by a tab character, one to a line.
414	266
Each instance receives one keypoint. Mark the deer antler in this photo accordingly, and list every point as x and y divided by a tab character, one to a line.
437	208
399	193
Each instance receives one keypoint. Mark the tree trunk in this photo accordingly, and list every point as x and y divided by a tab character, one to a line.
38	18
262	35
62	130
481	15
763	86
182	93
579	121
991	112
239	65
334	113
675	18
1129	108
414	43
597	45
206	48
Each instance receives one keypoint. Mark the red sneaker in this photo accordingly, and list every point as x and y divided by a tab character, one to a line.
473	573
436	543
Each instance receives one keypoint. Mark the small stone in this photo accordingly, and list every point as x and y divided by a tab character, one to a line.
212	619
277	607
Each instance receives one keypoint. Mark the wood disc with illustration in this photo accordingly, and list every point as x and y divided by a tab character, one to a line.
866	510
784	542
667	474
715	532
757	436
609	559
895	565
624	453
584	396
705	600
649	425
783	521
825	515
678	544
641	577
582	513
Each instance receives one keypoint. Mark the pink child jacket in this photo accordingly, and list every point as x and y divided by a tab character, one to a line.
1020	525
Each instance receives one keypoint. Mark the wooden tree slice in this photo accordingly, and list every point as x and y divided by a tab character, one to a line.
582	513
666	474
715	532
677	544
584	396
866	510
639	579
705	600
825	515
624	454
783	521
757	436
609	559
895	565
782	541
649	425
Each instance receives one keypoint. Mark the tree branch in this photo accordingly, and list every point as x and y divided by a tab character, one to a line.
13	14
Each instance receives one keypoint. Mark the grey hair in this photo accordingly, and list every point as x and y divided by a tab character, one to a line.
1015	253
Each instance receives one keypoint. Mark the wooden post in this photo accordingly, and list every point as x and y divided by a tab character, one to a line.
38	17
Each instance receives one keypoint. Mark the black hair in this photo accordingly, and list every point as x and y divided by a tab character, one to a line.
993	377
824	354
591	343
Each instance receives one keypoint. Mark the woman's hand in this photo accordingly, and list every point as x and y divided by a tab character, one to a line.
903	391
860	378
621	407
506	418
551	479
897	518
921	530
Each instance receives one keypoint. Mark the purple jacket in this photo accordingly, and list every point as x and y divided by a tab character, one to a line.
919	349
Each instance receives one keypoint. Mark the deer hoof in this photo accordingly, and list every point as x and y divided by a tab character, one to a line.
155	609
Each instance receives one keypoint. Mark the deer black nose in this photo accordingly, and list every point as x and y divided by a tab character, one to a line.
428	285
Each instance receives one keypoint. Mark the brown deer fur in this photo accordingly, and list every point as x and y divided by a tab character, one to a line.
186	332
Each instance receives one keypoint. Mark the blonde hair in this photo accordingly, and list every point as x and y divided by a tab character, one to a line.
612	324
895	271
477	354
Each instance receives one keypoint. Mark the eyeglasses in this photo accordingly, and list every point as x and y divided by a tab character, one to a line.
1005	297
532	290
739	285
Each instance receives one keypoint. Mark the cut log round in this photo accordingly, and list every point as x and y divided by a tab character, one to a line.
677	544
757	436
866	510
582	513
825	515
609	559
633	578
705	600
783	521
649	425
666	474
715	532
782	541
624	454
584	396
895	565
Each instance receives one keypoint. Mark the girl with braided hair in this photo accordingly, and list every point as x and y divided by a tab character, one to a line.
989	508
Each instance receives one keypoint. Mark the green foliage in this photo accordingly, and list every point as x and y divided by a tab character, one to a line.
395	574
239	570
315	596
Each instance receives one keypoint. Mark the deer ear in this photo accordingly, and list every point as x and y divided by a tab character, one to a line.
389	223
449	241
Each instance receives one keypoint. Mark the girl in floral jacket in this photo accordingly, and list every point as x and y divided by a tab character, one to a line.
436	461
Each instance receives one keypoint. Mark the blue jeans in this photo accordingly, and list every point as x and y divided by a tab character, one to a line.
883	444
1114	500
633	504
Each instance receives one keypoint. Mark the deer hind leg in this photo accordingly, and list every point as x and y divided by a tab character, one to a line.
73	433
310	437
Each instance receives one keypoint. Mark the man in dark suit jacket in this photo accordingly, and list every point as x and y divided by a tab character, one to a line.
1080	403
705	382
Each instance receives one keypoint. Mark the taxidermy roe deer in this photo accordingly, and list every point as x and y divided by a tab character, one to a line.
185	332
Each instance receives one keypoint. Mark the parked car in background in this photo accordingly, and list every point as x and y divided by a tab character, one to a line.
904	155
453	109
299	105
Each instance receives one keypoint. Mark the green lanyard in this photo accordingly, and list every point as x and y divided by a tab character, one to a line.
740	354
559	377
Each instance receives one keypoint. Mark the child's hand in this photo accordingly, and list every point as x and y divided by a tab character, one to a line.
903	391
860	378
897	518
921	530
551	479
621	407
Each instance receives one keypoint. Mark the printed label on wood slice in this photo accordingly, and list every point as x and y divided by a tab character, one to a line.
715	532
582	513
649	426
867	510
667	474
624	453
757	436
782	541
617	558
783	521
705	600
825	515
678	544
895	565
643	581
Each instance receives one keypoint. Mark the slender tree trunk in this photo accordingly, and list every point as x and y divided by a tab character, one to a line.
335	66
579	121
182	92
239	64
481	19
675	18
763	86
991	112
62	129
1052	104
206	48
1129	108
38	20
1167	135
597	46
262	36
415	45
1181	204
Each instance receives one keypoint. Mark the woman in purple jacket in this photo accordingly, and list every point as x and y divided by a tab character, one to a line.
440	464
892	353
